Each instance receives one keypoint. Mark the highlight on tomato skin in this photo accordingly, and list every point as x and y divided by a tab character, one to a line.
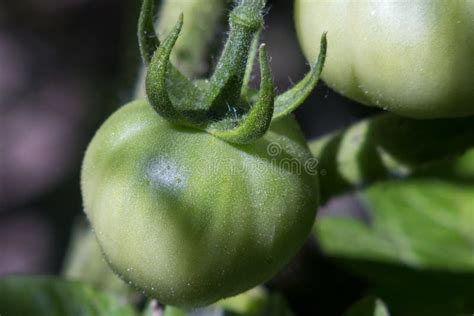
413	58
189	218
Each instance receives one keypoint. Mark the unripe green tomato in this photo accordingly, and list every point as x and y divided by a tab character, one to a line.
412	57
189	218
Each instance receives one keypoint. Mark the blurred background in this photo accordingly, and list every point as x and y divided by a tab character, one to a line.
65	65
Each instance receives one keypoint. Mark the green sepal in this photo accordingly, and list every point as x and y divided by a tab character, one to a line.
288	101
156	87
256	122
147	39
250	63
224	105
167	89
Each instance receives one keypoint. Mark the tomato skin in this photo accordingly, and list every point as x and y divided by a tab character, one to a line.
188	218
414	58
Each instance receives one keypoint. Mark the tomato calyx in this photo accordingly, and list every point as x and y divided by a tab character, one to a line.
223	105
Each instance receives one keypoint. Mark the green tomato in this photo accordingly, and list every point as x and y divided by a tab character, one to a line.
415	58
189	218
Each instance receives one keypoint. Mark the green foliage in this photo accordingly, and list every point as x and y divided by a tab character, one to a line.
369	306
255	302
416	245
386	147
49	296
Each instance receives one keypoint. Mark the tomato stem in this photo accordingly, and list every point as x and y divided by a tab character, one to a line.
225	85
260	115
224	105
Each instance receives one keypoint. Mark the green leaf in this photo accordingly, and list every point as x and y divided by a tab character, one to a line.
173	311
425	222
369	306
50	296
416	241
417	223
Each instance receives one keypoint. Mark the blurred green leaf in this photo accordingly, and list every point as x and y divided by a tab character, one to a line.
173	311
418	223
416	242
255	302
49	296
369	306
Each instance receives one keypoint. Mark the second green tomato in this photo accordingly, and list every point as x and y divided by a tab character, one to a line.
414	58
